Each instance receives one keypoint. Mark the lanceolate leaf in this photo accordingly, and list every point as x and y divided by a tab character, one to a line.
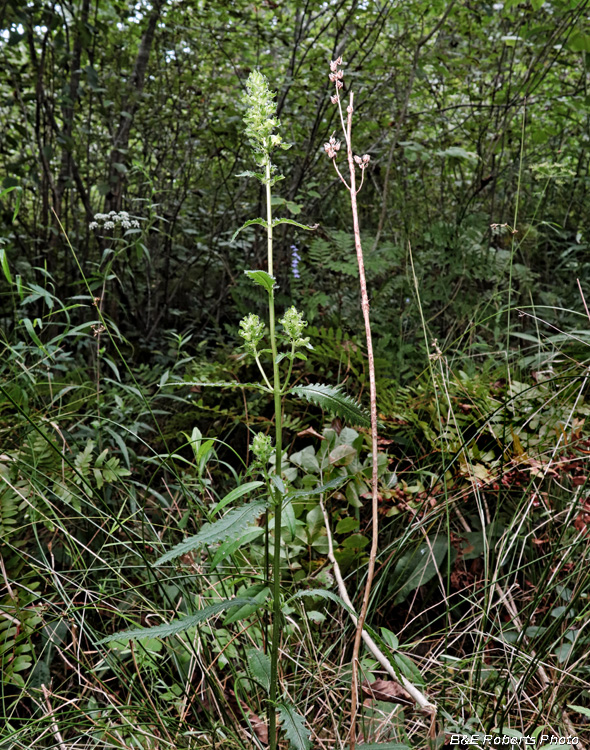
262	278
176	626
249	223
333	400
276	222
293	724
235	494
234	523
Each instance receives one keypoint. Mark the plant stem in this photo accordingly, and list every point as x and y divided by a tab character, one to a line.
373	406
276	575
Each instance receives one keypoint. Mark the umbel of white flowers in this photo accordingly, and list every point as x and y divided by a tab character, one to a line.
113	219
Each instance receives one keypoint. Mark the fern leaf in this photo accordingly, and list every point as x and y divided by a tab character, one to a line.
333	400
234	523
293	724
176	626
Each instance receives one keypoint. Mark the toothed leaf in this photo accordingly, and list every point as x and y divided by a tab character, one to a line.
333	400
234	523
249	223
176	626
262	278
276	222
293	724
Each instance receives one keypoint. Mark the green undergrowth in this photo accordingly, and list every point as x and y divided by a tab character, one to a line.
481	594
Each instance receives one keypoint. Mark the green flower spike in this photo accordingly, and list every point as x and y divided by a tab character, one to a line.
252	331
262	447
293	325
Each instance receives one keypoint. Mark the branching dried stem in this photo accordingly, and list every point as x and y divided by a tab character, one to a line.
331	148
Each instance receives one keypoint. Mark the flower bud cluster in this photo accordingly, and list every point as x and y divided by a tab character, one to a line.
262	447
293	325
252	331
363	161
112	220
332	147
336	75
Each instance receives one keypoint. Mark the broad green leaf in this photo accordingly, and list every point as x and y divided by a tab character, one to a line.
262	278
456	152
293	725
346	525
235	494
249	223
288	519
579	42
259	666
234	523
355	541
176	626
333	400
390	638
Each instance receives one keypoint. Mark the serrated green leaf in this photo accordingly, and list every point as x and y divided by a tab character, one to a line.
262	278
176	626
249	223
235	494
276	223
259	666
234	522
293	724
333	484
333	400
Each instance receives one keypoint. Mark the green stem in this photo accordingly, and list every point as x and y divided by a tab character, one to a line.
290	370
276	576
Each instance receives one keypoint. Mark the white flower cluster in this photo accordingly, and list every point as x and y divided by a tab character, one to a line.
113	219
